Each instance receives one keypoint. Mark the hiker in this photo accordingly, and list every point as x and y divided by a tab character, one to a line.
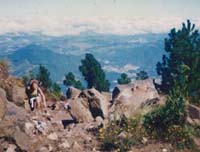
35	95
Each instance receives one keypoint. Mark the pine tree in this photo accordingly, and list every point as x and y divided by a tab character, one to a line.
44	77
182	61
142	75
124	79
70	80
56	88
93	73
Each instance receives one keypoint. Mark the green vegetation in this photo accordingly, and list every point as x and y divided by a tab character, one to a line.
168	122
44	77
180	79
142	75
182	59
93	73
180	72
121	135
56	89
71	81
124	79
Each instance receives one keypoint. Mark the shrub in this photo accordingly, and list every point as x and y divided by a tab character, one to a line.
168	123
173	113
121	135
180	136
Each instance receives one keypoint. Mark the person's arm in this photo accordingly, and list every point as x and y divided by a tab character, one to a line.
43	97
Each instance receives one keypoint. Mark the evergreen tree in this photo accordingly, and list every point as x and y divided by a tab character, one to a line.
142	75
44	77
124	79
182	61
56	88
93	73
71	81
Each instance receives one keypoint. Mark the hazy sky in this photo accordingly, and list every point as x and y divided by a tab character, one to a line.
59	17
102	8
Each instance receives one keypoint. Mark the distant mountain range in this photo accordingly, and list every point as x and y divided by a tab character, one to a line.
63	54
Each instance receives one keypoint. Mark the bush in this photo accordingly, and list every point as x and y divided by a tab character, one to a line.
173	113
180	136
56	90
168	123
121	135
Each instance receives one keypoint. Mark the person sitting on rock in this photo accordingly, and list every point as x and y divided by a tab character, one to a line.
35	95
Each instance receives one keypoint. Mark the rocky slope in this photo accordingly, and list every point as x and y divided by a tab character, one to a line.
71	125
68	125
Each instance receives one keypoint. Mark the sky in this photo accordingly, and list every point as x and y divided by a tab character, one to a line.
99	15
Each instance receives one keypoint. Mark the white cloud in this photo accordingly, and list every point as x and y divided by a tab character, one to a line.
125	69
74	26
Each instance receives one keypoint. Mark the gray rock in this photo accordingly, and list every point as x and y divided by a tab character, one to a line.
53	136
79	111
76	147
128	99
18	95
3	101
193	111
97	102
72	93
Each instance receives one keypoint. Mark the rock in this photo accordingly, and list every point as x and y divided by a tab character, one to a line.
15	111
11	148
18	95
193	111
127	99
99	119
189	120
164	150
79	111
4	73
122	135
15	117
76	147
65	144
97	102
144	140
29	127
72	93
53	136
3	101
22	140
44	149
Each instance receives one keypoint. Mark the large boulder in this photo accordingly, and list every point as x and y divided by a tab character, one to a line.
97	102
3	101
13	126
79	111
18	95
127	99
4	74
72	93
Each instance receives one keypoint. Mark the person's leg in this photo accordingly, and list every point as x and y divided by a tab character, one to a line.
35	103
38	102
32	103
